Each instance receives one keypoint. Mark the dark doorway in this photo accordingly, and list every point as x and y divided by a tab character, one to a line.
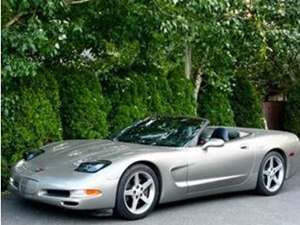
274	114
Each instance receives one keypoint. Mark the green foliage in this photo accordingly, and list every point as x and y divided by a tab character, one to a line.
292	110
181	99
32	33
135	48
128	100
214	105
278	64
30	114
246	104
136	96
4	173
158	95
83	112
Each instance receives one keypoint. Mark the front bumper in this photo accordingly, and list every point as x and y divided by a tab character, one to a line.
36	189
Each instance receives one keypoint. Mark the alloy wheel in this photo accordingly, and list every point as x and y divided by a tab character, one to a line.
273	173
139	192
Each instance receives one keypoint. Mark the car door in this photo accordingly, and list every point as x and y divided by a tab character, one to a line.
217	167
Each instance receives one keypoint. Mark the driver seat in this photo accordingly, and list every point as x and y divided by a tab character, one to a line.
221	133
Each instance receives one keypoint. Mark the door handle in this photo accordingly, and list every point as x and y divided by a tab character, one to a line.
244	147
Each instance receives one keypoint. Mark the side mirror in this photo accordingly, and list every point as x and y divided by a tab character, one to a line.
214	142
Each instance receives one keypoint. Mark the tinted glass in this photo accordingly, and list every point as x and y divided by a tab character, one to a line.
162	131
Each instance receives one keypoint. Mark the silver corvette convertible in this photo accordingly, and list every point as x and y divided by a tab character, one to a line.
156	160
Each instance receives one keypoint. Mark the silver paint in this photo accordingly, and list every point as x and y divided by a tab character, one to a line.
184	172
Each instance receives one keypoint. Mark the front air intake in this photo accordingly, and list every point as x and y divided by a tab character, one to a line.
69	203
58	193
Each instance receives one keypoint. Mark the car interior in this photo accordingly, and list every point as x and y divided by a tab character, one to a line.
226	134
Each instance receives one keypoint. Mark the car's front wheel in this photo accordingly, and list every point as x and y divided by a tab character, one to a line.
137	192
271	175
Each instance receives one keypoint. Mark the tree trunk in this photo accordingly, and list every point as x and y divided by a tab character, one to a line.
188	61
188	71
198	81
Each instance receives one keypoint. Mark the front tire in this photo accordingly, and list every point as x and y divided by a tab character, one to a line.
137	193
271	176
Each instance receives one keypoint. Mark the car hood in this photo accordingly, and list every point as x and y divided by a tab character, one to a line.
74	152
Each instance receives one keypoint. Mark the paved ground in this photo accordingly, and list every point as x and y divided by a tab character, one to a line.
234	209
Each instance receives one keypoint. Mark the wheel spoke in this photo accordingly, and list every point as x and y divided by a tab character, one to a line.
134	204
136	179
266	172
145	199
271	162
277	168
276	180
129	192
147	184
269	181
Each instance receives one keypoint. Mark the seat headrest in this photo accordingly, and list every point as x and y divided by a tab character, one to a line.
221	133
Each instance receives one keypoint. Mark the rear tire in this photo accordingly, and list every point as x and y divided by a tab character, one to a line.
271	175
137	193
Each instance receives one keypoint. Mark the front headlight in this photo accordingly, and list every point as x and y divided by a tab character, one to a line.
20	163
92	167
32	154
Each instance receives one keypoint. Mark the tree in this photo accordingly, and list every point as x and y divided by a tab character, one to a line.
83	111
246	103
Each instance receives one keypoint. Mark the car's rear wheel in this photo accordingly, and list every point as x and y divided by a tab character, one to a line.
138	192
271	175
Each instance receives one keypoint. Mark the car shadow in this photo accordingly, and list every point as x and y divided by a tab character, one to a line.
46	210
106	215
49	210
249	194
206	199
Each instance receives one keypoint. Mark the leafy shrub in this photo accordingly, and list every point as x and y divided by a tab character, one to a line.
246	104
4	173
292	110
158	95
127	97
181	99
83	112
214	105
136	96
30	117
30	114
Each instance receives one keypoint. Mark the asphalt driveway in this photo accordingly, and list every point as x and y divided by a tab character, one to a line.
239	208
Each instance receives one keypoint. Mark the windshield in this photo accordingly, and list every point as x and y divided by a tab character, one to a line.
162	131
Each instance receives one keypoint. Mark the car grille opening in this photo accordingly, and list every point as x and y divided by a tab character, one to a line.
69	203
58	193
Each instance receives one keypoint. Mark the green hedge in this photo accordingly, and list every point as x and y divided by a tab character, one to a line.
292	110
4	173
181	99
83	111
246	104
127	96
30	117
158	95
214	104
30	114
135	96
